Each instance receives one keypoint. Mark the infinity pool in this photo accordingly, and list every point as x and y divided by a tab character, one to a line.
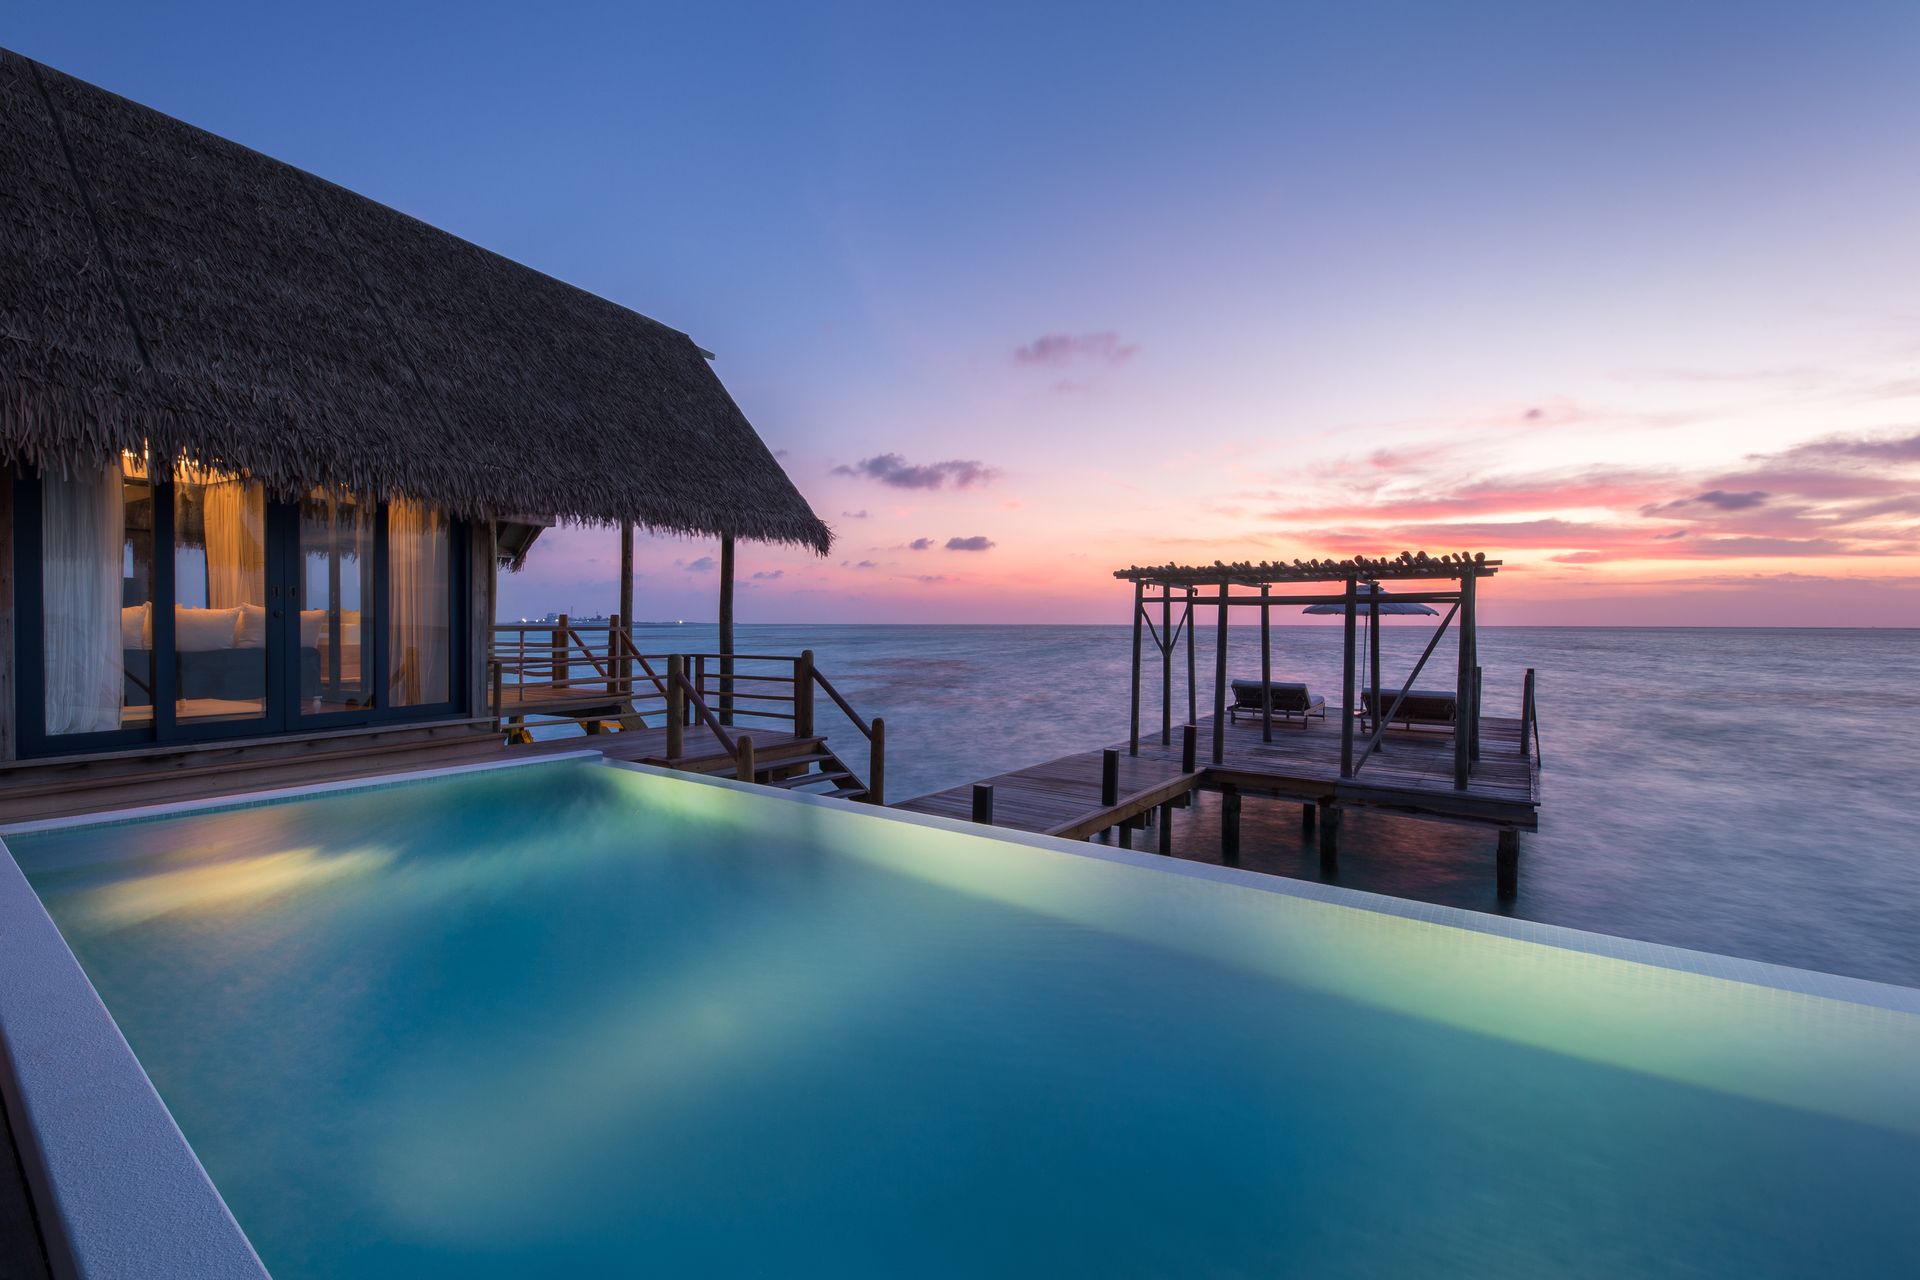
575	1019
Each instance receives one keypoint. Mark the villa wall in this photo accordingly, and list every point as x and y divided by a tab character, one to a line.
7	747
483	571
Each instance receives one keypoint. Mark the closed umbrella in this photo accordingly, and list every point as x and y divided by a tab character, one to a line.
1372	602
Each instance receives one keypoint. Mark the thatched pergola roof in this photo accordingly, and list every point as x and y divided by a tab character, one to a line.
1408	566
166	288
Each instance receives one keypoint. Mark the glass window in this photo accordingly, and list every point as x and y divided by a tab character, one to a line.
220	596
97	550
336	604
419	581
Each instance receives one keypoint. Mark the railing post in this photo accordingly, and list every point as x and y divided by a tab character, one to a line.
616	662
744	768
676	706
1109	778
686	704
803	695
876	757
983	803
700	675
561	664
499	693
1473	731
1189	748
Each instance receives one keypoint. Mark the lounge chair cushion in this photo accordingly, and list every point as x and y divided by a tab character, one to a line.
1289	697
1420	706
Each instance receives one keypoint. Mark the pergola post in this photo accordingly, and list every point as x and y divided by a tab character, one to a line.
1373	644
1193	689
1220	680
1139	614
1463	685
1348	621
1166	666
726	628
1266	665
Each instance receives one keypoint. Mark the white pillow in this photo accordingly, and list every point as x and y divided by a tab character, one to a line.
136	626
250	627
198	630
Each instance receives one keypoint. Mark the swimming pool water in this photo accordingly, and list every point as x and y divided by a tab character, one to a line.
580	1020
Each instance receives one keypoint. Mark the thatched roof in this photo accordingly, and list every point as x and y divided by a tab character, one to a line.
163	286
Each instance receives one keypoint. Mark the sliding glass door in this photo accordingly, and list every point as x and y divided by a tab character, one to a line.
193	606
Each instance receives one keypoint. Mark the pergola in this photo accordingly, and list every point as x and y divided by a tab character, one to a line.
1224	587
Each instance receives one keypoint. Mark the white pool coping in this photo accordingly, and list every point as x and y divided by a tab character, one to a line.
120	1194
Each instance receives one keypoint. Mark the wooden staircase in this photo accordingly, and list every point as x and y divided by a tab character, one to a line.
748	716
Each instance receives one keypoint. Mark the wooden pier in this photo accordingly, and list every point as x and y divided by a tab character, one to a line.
1407	750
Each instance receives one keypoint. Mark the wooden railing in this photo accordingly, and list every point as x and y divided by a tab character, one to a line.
594	672
1529	719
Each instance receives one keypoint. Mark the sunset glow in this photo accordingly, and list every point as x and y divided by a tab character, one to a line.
1623	297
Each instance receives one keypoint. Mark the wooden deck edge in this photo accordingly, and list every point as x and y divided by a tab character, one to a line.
1129	806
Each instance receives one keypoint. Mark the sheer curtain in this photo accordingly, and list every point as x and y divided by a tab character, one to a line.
83	532
419	561
236	544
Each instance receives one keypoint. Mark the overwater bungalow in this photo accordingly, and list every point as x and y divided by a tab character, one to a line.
266	446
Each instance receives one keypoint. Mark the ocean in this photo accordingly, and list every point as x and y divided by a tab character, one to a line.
1749	792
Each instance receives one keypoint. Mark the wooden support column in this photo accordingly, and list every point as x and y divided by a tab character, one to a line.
744	765
1189	748
803	694
877	763
1230	824
1463	686
1307	812
1373	647
983	803
1139	616
1266	665
676	706
1329	837
1220	681
1193	687
726	628
562	655
1166	829
1507	863
1347	677
1166	667
1109	778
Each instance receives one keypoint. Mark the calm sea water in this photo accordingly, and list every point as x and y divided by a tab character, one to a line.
1750	792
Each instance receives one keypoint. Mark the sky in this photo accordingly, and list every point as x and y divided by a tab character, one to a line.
1625	295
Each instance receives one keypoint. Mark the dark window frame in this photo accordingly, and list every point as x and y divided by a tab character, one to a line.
283	716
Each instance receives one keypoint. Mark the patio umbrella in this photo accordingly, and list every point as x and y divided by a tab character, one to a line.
1373	600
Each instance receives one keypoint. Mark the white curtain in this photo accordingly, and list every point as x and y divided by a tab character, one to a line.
236	544
83	531
419	560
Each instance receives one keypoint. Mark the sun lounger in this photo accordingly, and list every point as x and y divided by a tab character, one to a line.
1419	707
1290	701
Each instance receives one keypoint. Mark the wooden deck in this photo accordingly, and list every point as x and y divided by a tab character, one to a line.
35	790
1411	774
1063	797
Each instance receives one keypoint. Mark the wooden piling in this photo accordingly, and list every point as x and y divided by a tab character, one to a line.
1109	778
1507	863
1166	829
1306	819
743	758
1329	837
1229	825
876	758
983	803
1189	748
803	694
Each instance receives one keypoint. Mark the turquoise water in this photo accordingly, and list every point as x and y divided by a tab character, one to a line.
572	1020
